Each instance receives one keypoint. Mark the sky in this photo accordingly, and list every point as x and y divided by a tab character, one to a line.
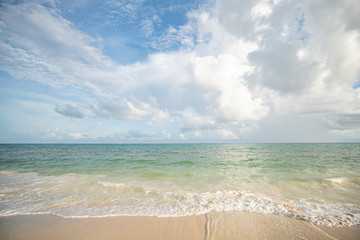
178	71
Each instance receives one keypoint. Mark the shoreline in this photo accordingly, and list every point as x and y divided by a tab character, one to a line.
214	225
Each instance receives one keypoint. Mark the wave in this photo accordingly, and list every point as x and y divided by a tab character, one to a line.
342	180
82	196
113	185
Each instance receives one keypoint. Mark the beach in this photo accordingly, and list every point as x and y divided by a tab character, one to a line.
180	191
222	225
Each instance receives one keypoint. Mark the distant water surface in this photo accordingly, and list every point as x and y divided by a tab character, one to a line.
319	183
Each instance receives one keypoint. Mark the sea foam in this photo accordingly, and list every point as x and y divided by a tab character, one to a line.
81	196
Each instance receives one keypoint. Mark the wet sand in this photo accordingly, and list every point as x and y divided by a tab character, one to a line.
223	225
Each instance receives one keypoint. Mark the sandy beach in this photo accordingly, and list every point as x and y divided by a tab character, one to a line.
179	191
222	225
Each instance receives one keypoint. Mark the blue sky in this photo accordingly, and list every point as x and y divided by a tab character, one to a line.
179	71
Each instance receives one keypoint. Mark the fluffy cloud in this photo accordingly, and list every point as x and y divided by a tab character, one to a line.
222	77
227	134
192	121
307	57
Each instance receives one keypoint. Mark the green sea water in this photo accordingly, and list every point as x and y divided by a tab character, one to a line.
319	183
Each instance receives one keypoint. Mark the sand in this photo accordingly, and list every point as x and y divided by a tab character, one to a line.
223	225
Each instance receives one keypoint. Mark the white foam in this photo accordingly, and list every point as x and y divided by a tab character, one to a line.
113	185
343	180
336	180
82	196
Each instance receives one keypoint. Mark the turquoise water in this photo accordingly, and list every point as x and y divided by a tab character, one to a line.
319	183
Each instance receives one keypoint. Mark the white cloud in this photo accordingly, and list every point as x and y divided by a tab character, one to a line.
307	60
51	133
193	121
166	134
161	116
76	135
223	76
227	134
147	27
127	10
197	134
261	9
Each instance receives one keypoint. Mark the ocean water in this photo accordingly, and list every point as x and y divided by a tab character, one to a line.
319	183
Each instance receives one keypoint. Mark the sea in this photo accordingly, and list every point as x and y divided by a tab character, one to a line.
318	183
